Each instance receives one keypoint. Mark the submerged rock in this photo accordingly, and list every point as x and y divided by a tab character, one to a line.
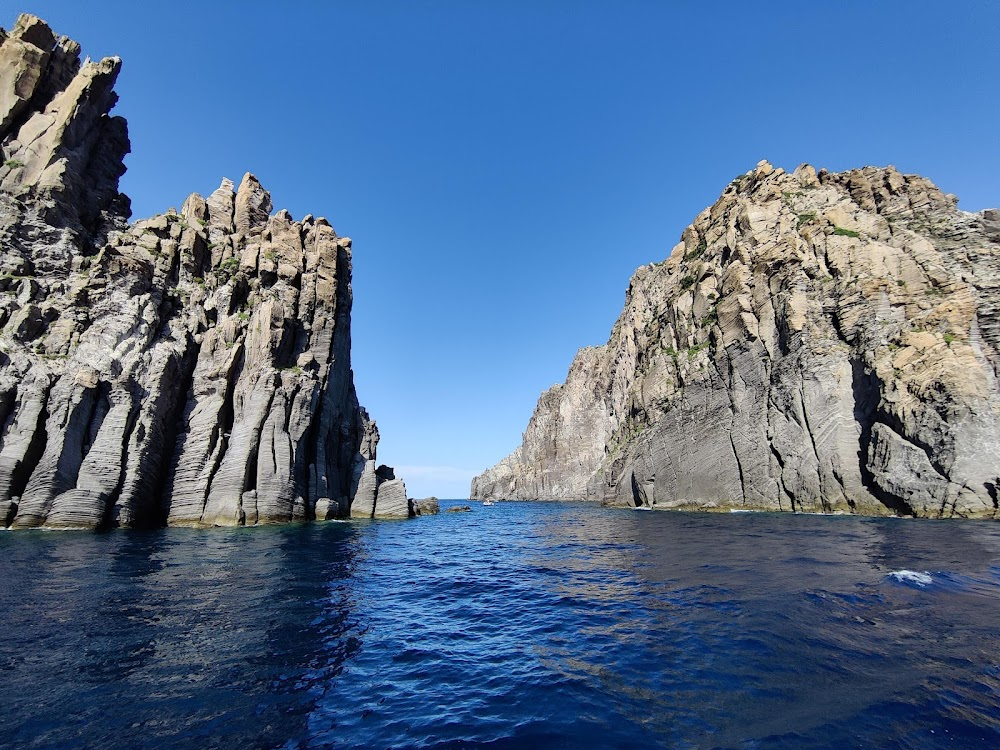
190	369
815	342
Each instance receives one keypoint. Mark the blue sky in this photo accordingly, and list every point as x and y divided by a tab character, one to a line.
503	167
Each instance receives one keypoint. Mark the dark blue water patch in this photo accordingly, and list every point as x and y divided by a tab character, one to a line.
517	625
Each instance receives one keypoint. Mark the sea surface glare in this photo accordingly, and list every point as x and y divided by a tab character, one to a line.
518	625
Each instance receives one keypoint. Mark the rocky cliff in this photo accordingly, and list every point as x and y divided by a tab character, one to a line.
815	342
190	369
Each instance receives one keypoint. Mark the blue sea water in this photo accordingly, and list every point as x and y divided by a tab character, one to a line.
518	625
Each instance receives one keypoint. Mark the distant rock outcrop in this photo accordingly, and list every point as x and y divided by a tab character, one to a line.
190	369
815	342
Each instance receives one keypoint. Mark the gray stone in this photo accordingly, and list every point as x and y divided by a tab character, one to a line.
816	342
193	368
24	55
428	506
252	205
363	505
391	501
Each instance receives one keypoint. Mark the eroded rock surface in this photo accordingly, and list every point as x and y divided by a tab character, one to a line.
815	342
192	368
428	506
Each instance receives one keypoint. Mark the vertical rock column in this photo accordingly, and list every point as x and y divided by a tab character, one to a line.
192	368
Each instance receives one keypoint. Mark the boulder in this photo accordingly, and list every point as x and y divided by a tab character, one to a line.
391	501
426	507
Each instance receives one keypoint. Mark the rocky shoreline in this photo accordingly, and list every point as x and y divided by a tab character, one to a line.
816	342
820	342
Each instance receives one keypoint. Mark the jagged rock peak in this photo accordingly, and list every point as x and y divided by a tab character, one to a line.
816	341
189	369
62	150
252	206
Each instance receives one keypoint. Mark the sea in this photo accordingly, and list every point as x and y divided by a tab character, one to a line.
518	625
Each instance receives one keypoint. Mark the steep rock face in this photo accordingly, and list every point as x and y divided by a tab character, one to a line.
815	342
62	151
191	369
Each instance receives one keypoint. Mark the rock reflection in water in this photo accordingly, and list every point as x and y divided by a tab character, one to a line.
518	625
174	637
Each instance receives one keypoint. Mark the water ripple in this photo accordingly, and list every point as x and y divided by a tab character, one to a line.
521	625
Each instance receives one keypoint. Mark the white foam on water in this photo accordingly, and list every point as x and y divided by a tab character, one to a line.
59	529
742	510
912	576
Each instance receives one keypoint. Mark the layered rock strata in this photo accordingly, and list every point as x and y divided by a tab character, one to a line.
815	342
380	495
191	369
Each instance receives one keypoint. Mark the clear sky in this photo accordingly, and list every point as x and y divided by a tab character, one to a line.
503	167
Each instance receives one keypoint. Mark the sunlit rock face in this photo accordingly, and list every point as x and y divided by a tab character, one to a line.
815	342
191	369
